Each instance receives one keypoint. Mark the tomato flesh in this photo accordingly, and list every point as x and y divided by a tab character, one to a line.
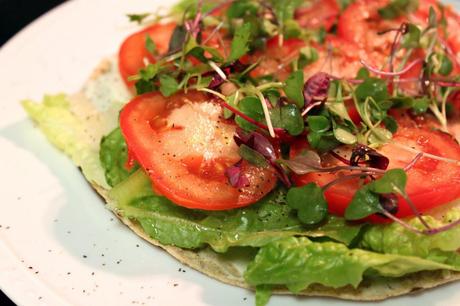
185	147
430	182
133	53
322	13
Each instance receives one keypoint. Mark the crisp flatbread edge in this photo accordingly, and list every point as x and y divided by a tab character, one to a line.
223	269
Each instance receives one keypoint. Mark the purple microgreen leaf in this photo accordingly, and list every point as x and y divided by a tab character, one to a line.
306	162
371	157
257	142
236	177
281	173
217	79
261	145
389	202
315	90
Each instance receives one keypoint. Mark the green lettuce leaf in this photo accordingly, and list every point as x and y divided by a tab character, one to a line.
69	132
395	239
268	220
263	294
299	262
113	155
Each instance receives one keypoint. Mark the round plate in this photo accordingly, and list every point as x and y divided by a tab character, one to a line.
58	244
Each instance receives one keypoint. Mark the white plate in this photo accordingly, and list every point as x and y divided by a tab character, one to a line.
58	244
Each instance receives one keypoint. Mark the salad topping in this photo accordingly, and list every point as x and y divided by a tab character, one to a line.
349	102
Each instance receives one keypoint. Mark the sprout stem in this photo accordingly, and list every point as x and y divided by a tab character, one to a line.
389	73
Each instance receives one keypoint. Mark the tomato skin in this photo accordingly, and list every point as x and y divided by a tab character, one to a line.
133	52
321	13
431	183
181	162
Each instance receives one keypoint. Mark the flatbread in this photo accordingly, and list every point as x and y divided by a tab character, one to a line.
101	90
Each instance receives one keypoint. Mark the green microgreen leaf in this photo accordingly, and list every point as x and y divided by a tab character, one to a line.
284	10
137	17
252	156
201	52
390	124
379	136
322	142
412	37
344	4
366	200
149	72
420	105
231	101
321	35
363	74
343	135
432	19
443	65
144	86
374	88
291	29
289	118
318	124
252	107
150	45
240	42
364	203
178	38
398	8
393	181
294	88
273	95
310	203
307	56
168	85
241	8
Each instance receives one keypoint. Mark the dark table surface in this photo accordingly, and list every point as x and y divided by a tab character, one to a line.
14	15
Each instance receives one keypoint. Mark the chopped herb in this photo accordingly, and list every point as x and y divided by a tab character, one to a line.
139	18
240	42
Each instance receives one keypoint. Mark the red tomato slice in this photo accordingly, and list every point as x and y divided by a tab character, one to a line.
276	58
133	52
322	13
185	147
430	182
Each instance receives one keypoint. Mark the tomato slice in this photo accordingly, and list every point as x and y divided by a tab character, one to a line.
133	52
430	182
185	146
277	59
322	13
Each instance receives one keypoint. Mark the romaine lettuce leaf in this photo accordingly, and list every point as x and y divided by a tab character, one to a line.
113	155
299	262
395	239
68	132
268	220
